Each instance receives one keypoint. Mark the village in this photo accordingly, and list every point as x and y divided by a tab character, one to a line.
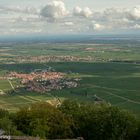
44	81
43	59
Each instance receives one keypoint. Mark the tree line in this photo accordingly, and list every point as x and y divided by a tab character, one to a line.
71	119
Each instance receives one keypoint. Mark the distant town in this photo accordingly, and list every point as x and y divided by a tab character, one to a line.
42	81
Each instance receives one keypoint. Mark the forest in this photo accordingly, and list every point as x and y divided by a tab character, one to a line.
70	120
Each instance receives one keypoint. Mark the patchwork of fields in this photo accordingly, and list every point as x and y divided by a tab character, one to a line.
116	83
111	72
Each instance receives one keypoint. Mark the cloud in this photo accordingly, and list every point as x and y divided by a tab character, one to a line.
134	13
68	23
114	14
24	30
85	12
98	27
137	26
117	18
21	19
19	9
95	26
54	10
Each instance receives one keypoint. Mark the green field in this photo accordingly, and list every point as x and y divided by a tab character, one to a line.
4	85
14	102
105	51
116	83
113	73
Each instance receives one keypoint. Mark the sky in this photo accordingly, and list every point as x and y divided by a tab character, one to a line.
18	17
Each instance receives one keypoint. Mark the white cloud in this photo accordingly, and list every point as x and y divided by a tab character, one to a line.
134	13
24	30
118	18
123	14
137	26
114	14
19	9
98	27
21	19
54	10
85	12
68	23
77	10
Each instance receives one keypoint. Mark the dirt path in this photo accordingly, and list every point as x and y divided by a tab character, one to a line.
35	99
27	99
11	84
2	92
124	98
118	96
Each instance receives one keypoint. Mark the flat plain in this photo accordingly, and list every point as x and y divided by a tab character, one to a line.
111	73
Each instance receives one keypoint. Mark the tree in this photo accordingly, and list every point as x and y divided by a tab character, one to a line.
44	120
100	122
7	124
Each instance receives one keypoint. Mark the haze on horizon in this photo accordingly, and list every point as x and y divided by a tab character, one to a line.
69	17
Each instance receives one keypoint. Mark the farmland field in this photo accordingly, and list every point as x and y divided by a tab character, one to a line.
115	83
4	85
112	73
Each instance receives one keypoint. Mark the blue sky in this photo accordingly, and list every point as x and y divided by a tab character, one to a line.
69	16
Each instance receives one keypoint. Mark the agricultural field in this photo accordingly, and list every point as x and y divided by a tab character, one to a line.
111	73
115	83
4	85
57	52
